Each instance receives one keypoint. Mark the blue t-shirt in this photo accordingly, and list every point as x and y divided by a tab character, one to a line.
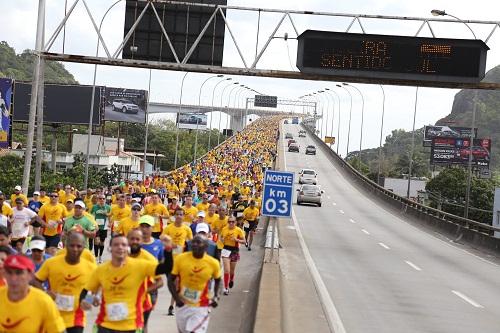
155	248
37	267
35	206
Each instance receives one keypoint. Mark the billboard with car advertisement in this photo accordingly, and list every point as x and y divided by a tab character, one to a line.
432	132
125	105
456	151
192	121
5	100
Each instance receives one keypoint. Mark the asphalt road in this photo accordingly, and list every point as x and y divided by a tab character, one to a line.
382	273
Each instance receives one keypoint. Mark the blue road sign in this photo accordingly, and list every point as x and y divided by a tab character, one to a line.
278	193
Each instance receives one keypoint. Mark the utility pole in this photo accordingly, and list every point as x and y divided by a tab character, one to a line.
39	124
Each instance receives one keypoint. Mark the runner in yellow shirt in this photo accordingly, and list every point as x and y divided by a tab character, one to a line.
131	222
194	270
26	309
159	212
179	232
231	237
119	212
250	215
120	281
18	194
204	204
67	276
212	216
52	215
189	210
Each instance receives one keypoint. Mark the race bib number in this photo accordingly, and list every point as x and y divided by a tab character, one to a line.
225	253
65	302
117	311
172	218
238	214
157	219
191	295
100	221
246	225
177	250
52	224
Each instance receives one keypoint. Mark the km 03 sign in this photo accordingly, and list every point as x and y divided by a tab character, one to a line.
278	194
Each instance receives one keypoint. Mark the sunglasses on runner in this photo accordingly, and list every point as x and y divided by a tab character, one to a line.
136	209
53	196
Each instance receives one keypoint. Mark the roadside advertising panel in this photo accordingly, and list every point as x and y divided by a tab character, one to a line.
125	105
432	132
456	151
330	139
192	121
5	101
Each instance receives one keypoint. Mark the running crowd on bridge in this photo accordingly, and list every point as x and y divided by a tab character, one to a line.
188	225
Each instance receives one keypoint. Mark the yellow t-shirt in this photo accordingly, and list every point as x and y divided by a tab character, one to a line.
189	213
86	255
219	224
179	236
172	190
118	214
14	196
44	200
194	277
122	293
26	316
250	214
52	214
125	225
203	206
226	236
6	210
211	219
67	282
160	210
65	197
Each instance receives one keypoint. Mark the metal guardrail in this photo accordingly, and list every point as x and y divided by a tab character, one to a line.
458	220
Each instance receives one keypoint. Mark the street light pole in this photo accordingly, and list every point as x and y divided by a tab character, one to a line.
437	12
350	117
211	116
176	123
147	130
381	134
235	88
412	146
222	106
362	120
330	93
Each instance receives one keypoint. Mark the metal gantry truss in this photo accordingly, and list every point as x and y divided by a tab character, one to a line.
248	68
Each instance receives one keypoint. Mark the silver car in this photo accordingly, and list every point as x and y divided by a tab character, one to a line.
125	106
309	194
308	176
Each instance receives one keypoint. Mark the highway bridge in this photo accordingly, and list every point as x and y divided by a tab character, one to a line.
373	268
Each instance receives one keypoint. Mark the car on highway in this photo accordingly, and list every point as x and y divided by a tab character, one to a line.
288	136
125	106
293	147
302	134
310	150
309	194
308	176
291	141
478	153
286	121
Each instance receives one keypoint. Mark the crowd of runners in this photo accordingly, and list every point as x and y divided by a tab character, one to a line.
188	226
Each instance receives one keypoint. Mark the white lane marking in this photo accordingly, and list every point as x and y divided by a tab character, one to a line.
334	203
329	308
341	211
352	221
384	246
412	265
365	231
467	299
331	313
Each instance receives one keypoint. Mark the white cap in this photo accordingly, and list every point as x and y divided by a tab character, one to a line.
80	204
37	244
202	227
201	213
18	188
136	199
36	193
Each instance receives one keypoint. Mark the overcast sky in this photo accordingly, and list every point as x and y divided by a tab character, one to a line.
19	26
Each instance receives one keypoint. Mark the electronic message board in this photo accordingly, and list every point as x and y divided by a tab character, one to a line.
391	57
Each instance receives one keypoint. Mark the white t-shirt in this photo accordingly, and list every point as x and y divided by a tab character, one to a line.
19	220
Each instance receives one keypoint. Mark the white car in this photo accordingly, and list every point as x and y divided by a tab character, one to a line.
125	106
308	176
309	194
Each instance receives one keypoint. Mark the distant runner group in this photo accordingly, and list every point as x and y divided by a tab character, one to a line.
187	225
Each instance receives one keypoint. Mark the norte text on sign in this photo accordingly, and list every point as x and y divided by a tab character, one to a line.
278	194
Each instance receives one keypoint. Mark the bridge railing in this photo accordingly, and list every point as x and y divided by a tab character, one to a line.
462	228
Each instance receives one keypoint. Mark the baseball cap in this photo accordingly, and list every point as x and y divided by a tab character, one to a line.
19	200
147	219
37	244
18	188
135	205
202	227
80	204
70	200
201	213
136	199
18	261
36	193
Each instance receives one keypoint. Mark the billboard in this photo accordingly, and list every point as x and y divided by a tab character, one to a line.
330	140
192	121
265	101
125	105
63	104
432	132
457	151
5	100
182	23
